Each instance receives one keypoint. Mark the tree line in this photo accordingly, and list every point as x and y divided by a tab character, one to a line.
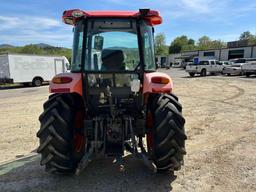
183	43
36	50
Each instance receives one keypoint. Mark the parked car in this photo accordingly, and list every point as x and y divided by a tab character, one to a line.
184	65
177	64
234	69
226	63
243	60
237	67
249	69
204	67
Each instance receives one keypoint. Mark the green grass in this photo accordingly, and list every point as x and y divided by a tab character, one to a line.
9	85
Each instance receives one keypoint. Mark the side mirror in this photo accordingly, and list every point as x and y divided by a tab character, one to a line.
98	42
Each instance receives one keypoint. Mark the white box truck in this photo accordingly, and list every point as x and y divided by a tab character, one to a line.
35	69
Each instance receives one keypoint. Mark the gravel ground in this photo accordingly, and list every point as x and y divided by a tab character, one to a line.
221	146
20	109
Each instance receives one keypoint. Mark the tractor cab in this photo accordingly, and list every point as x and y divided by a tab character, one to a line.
113	50
117	44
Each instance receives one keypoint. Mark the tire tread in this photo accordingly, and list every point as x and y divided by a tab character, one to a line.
169	134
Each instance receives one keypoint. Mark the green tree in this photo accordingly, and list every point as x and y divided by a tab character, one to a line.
204	42
160	44
35	50
247	35
31	49
190	45
179	43
217	44
191	42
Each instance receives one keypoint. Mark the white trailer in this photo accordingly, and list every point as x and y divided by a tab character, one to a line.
35	69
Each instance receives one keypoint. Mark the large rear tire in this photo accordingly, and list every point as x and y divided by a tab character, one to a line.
168	134
61	134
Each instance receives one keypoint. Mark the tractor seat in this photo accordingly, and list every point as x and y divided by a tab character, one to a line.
112	60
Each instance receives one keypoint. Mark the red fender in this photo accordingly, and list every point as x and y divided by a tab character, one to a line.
73	85
151	86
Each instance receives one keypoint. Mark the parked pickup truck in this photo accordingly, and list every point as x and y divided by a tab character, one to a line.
204	67
249	68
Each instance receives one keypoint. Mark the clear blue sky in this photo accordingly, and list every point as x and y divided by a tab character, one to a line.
35	21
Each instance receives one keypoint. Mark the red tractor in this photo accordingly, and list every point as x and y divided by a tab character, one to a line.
113	100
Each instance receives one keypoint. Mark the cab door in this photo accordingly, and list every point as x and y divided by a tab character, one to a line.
219	66
212	67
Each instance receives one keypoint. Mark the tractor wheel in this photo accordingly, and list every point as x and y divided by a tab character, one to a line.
61	135
192	74
37	82
167	142
203	73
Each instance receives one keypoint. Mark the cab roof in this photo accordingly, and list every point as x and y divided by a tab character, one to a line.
72	16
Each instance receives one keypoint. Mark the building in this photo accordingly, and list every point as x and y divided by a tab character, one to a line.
234	50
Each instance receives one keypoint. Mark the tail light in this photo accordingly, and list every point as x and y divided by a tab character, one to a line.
160	80
157	20
152	17
72	16
62	80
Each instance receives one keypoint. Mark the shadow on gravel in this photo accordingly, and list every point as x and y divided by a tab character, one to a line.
207	76
197	76
12	87
101	175
251	77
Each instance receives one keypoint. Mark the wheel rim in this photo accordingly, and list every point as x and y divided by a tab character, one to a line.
79	142
79	138
37	82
